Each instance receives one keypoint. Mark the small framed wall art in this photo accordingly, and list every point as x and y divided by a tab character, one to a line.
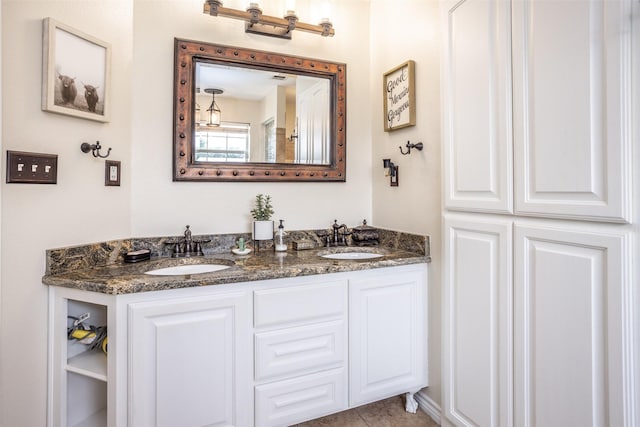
399	97
112	173
75	72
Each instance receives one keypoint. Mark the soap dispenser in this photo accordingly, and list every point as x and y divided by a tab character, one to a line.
280	244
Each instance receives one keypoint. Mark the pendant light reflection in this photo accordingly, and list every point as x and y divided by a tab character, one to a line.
213	112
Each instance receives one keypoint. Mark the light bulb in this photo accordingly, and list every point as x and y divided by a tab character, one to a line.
290	7
325	11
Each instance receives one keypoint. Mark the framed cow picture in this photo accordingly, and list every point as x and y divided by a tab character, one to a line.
75	72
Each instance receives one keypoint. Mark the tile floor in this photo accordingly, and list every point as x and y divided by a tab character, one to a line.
385	413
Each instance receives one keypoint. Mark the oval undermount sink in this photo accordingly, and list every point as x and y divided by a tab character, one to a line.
179	270
352	255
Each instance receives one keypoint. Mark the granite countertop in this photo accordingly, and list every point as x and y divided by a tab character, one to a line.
130	278
99	267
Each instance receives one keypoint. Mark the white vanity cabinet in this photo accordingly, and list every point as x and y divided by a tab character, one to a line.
263	353
300	352
190	360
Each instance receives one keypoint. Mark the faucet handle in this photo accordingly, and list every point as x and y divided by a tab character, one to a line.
202	241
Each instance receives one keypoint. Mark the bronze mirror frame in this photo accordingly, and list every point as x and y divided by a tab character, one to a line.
187	52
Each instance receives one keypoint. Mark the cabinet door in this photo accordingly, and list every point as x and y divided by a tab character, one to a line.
476	73
572	100
387	335
573	326
477	322
191	362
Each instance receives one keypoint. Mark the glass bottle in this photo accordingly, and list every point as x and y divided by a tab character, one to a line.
280	244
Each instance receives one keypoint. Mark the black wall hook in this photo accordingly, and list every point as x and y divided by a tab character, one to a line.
95	149
419	146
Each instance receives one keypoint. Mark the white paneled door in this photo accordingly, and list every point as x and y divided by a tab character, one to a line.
387	336
478	165
477	355
191	362
572	327
572	100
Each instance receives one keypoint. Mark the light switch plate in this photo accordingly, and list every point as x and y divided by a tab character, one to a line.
31	168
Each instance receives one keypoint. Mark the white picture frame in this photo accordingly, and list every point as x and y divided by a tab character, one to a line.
76	72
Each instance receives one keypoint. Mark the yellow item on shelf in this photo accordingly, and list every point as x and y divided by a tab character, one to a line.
94	337
84	336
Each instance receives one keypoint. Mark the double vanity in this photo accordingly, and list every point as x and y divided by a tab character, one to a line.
266	339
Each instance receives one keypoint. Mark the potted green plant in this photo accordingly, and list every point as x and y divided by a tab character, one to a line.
262	222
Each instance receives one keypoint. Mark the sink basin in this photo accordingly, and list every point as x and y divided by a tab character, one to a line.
352	255
179	270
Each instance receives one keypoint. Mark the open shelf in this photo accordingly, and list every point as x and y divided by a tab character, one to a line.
99	419
91	364
86	402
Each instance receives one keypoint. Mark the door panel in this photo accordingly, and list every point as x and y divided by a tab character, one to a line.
478	357
571	109
571	319
478	164
387	336
190	362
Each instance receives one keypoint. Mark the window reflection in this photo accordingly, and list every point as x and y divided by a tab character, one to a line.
228	142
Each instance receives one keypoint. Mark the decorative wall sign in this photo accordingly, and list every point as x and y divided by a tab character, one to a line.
75	72
112	173
399	97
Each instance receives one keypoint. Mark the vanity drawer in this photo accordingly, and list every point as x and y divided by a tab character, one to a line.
300	350
304	303
299	399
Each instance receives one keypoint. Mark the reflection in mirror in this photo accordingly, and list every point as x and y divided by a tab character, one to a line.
250	115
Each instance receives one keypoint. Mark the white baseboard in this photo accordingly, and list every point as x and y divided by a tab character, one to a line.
429	406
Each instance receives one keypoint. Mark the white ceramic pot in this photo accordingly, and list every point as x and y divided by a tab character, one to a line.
262	230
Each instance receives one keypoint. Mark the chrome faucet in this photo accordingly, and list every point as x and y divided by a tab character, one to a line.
187	247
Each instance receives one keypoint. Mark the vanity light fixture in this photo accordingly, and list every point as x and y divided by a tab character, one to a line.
392	172
258	23
213	112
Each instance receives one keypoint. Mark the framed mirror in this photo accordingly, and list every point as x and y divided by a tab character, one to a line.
250	115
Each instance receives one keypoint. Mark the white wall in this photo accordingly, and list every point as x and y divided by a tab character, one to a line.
403	30
79	209
161	206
